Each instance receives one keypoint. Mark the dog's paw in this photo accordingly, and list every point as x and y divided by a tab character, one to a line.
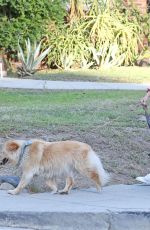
63	192
12	192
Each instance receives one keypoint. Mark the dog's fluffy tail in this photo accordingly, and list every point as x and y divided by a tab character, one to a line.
96	163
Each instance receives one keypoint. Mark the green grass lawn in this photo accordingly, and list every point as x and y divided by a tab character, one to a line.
116	74
23	110
110	121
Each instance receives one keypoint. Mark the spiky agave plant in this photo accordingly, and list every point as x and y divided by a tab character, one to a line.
30	58
108	55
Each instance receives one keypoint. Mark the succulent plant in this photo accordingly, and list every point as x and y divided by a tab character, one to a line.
30	58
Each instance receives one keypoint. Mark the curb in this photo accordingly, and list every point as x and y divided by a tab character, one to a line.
76	221
116	207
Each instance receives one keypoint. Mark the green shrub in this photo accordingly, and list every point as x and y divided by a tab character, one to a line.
106	30
111	27
69	47
105	34
26	18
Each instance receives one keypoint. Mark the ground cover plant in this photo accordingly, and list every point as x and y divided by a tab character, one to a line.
112	122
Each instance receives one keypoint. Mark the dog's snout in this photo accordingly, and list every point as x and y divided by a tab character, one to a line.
4	161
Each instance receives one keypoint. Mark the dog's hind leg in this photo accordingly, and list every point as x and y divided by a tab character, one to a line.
93	169
52	184
93	175
25	179
68	186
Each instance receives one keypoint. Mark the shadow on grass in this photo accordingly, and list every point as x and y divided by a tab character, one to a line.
115	74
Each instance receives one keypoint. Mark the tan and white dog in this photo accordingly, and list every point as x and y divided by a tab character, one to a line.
54	159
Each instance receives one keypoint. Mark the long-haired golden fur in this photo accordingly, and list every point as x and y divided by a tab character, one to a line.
54	159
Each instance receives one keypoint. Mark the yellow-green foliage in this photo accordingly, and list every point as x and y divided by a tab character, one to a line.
105	36
68	43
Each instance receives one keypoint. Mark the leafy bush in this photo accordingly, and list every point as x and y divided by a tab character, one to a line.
69	47
26	18
104	33
106	30
113	27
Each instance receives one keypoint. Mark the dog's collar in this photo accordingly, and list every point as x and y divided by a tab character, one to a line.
23	147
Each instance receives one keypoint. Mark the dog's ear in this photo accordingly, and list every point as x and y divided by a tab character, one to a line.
12	146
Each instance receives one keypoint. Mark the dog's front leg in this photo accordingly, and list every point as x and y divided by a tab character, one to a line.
25	179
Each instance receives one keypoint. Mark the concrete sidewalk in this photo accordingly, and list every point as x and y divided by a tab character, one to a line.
117	207
68	85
